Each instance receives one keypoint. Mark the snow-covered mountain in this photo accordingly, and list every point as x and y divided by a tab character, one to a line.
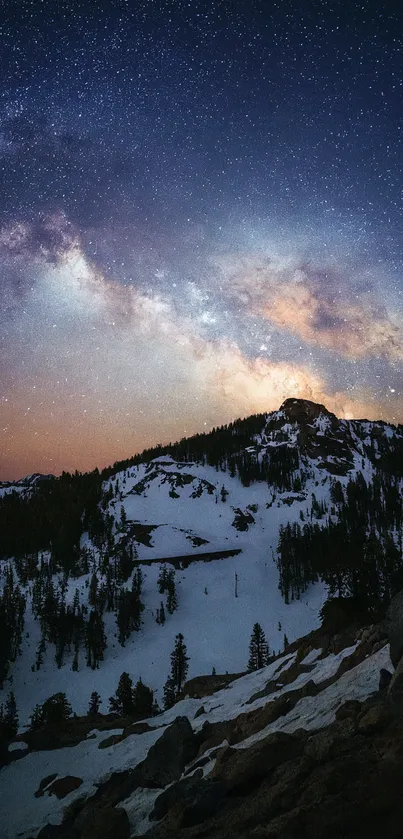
218	526
258	522
212	508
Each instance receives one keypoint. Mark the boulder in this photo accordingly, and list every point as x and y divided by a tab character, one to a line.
394	628
168	757
64	786
384	678
395	689
108	823
182	791
373	719
350	708
45	782
241	769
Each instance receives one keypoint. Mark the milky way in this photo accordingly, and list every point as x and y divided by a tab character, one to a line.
200	215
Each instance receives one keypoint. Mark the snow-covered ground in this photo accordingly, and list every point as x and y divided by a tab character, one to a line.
216	625
23	815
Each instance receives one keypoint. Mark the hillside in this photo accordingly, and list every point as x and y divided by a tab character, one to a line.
259	521
306	746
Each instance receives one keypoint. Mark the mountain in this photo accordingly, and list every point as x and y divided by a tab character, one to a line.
23	484
259	521
291	520
307	746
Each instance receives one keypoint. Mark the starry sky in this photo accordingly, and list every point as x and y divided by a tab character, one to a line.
200	216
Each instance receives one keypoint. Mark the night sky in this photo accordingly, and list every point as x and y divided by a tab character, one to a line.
200	216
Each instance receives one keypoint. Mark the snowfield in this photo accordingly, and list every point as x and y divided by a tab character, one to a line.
23	815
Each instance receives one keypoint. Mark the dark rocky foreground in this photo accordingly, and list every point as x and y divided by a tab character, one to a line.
343	781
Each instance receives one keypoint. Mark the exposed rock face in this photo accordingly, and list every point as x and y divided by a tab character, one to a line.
303	410
108	823
343	781
52	785
168	757
201	686
394	628
332	447
384	678
395	689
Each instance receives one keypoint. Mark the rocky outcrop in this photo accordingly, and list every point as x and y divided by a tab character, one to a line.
167	758
343	781
394	628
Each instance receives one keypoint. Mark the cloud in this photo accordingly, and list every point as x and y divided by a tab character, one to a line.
315	305
48	237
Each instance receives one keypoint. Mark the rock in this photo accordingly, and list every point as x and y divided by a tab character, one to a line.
199	712
108	823
395	689
373	719
182	791
110	741
394	628
239	769
208	800
384	678
350	708
138	728
45	782
64	786
377	646
168	757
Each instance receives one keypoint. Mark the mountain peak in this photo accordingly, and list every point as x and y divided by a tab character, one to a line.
297	410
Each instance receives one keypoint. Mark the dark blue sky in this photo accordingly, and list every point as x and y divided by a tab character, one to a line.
200	215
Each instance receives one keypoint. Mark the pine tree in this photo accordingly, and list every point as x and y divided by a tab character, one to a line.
179	664
95	640
143	699
95	702
123	703
55	711
93	591
11	716
162	579
169	693
258	649
161	615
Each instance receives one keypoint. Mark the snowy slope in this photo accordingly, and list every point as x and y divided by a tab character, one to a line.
175	509
23	814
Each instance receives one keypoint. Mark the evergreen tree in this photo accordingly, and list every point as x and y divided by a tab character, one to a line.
93	591
161	614
143	699
179	664
55	711
95	639
94	704
258	649
124	701
169	693
162	579
172	598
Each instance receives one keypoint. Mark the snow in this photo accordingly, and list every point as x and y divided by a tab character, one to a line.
18	746
314	712
204	619
311	657
23	815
